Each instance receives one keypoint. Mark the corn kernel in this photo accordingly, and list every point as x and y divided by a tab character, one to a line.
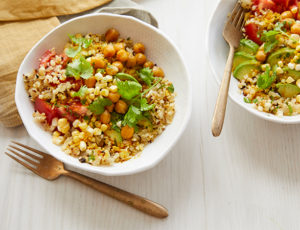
113	88
58	140
280	64
76	123
294	9
90	130
104	127
83	126
42	71
104	92
290	80
297	67
81	135
98	76
124	154
298	98
56	134
291	65
97	131
93	119
279	70
63	125
82	146
106	155
298	83
76	139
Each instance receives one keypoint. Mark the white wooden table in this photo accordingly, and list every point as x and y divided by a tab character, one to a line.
248	178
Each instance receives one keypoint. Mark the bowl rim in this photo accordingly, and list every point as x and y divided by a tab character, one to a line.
92	168
263	115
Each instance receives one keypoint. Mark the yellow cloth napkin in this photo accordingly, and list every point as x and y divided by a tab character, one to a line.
18	35
15	10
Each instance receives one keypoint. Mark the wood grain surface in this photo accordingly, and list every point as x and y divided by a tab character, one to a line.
248	178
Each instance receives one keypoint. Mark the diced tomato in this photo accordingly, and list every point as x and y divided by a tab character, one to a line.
275	5
78	109
251	30
43	107
63	113
64	60
46	57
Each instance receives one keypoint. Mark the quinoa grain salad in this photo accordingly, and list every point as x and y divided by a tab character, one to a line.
101	99
267	62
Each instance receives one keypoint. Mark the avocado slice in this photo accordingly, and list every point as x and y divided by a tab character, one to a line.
279	55
116	136
287	90
240	57
245	68
248	46
293	73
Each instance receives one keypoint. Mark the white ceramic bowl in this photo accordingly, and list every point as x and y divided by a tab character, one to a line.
218	50
158	48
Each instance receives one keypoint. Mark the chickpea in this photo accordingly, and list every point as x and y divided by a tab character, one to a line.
295	29
140	58
112	35
105	117
286	14
122	55
131	62
109	51
127	132
148	64
98	62
110	108
90	82
119	65
119	46
121	107
111	70
139	48
158	72
114	97
261	56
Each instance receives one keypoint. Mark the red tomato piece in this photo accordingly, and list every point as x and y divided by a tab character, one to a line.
46	57
252	33
63	113
64	59
78	109
43	107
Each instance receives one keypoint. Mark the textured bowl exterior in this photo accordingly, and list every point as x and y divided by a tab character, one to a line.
158	48
217	51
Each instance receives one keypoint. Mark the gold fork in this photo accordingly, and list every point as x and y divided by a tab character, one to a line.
49	168
232	34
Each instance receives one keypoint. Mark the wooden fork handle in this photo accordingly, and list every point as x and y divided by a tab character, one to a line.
220	108
140	203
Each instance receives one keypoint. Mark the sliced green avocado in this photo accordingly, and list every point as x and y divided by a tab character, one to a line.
248	46
280	55
146	123
293	73
240	57
116	136
287	90
245	68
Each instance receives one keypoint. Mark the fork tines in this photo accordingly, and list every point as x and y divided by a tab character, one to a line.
27	159
237	15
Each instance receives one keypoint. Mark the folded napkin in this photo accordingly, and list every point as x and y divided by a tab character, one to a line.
19	36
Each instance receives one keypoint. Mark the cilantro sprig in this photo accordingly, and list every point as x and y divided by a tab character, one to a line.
84	42
98	106
81	92
266	79
146	75
80	67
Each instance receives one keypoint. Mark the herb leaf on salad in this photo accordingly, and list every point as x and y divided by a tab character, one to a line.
265	80
79	67
98	106
146	75
84	42
128	89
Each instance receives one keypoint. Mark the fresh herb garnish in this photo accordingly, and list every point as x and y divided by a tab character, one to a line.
264	80
132	116
128	89
145	106
125	76
98	106
81	92
71	52
91	157
269	37
84	42
247	100
80	67
170	88
290	109
146	75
